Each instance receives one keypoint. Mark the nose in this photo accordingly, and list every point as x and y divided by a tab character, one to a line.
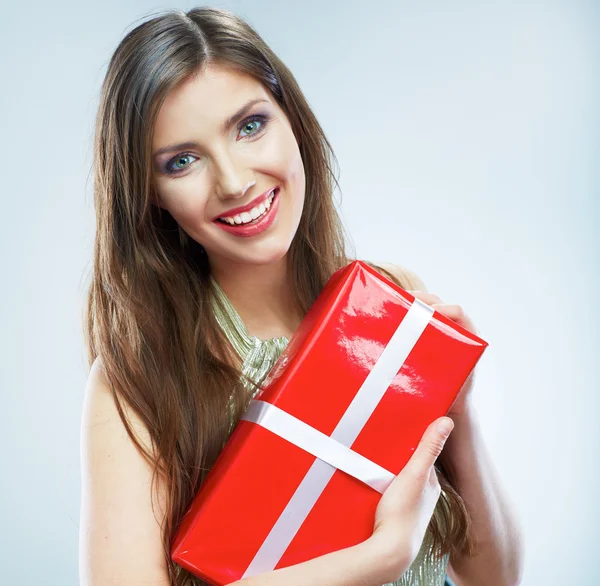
232	182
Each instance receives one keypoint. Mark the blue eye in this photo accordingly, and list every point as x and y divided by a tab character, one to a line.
253	120
170	171
250	122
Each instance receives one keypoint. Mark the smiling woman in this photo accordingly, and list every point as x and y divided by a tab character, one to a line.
216	231
229	167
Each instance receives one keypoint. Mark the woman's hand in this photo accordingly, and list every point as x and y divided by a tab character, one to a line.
406	507
457	314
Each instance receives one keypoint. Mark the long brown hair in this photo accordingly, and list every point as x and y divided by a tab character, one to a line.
148	312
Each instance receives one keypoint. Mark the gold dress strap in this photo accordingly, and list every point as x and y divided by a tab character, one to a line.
258	355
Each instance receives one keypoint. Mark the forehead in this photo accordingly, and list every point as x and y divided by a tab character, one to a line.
203	101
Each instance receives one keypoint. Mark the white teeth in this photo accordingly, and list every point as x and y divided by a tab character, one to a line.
254	213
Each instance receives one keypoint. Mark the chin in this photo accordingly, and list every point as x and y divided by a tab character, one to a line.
267	257
259	256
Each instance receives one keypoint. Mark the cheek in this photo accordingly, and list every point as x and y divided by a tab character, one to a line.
283	156
298	172
297	178
290	162
184	204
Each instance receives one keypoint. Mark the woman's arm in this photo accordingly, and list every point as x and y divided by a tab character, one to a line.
361	565
497	532
120	541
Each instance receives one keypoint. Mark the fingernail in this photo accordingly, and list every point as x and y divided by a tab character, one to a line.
446	426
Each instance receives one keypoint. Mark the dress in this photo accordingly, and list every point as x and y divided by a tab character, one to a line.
428	569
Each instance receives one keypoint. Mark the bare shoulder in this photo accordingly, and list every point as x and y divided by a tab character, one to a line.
408	279
100	407
120	540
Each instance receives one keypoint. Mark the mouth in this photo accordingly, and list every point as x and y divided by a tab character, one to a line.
256	220
251	213
249	207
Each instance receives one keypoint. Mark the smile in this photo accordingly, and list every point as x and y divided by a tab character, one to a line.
251	215
254	221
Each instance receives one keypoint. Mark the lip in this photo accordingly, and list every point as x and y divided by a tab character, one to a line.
236	211
263	223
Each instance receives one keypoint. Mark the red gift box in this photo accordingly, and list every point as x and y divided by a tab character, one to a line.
342	411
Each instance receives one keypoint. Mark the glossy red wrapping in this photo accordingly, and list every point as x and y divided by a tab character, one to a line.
315	379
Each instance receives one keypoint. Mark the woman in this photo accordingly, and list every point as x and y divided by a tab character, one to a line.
216	230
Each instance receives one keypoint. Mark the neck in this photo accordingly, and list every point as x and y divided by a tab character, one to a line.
262	296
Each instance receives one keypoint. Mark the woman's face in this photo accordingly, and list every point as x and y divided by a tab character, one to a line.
227	163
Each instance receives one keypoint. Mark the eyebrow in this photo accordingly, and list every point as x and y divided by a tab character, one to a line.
224	127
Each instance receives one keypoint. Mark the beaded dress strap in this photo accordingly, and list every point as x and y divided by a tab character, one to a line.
258	355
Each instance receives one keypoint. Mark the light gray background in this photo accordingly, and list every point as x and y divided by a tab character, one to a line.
473	124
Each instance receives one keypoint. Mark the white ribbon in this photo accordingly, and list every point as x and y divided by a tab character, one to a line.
318	444
333	452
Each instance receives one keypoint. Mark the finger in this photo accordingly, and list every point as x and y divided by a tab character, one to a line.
457	314
430	447
426	296
449	310
433	475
